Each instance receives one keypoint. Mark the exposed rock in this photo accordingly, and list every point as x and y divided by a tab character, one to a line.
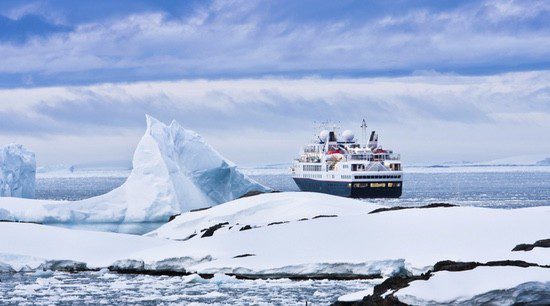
449	265
210	231
198	209
245	228
544	243
244	255
432	205
279	222
173	217
324	216
251	194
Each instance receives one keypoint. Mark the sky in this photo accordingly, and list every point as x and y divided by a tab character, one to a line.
439	80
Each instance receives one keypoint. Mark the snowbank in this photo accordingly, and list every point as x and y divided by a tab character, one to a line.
464	287
353	242
17	172
293	234
26	246
262	210
174	170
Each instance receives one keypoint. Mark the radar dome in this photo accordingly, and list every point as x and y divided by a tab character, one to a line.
323	135
348	135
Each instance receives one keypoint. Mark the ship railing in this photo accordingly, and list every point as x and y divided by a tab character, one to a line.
372	157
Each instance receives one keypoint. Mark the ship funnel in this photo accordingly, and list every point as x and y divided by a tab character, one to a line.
331	136
373	140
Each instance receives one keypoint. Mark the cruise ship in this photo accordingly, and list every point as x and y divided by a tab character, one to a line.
336	163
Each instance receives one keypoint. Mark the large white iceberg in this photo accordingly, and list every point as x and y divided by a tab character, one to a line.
17	172
174	171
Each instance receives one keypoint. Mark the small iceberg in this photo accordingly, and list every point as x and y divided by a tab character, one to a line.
17	172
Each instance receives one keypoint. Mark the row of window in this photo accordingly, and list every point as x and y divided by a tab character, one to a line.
312	175
346	177
358	177
312	167
376	185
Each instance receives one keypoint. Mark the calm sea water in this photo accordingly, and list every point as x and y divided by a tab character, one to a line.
490	189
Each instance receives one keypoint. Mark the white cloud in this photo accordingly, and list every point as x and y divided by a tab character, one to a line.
439	117
239	38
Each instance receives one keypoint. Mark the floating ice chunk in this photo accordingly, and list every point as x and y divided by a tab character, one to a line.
17	172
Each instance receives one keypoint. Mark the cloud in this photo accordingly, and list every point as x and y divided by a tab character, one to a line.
265	103
432	116
246	38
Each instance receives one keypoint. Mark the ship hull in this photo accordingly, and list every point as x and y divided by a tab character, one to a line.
351	189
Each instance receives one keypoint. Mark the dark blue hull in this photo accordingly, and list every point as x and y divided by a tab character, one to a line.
352	189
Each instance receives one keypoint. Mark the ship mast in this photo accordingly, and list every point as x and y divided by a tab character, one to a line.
364	133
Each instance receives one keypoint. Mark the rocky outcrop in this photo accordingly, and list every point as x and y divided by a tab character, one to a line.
544	243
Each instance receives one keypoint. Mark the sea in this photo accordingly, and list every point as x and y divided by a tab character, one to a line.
496	187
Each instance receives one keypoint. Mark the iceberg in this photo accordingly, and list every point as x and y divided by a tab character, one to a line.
17	172
174	171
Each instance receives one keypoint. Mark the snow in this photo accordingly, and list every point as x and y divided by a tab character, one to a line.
17	172
262	210
28	246
455	287
350	242
355	242
356	296
174	170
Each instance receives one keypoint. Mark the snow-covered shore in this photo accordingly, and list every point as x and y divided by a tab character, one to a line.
299	235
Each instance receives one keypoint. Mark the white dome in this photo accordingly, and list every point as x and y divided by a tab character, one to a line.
348	135
324	135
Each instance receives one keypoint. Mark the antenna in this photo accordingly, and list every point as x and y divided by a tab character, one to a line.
364	133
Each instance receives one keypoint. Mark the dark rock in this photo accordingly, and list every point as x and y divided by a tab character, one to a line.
449	265
391	284
544	243
505	263
16	221
275	223
324	216
199	209
436	205
383	209
397	282
187	238
245	228
251	194
210	231
173	217
303	219
244	255
432	205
